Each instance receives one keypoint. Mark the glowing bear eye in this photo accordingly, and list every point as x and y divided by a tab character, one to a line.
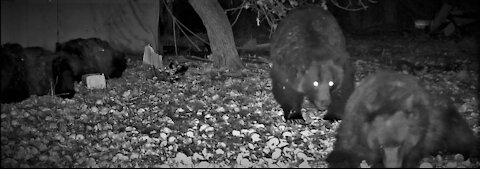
330	83
315	83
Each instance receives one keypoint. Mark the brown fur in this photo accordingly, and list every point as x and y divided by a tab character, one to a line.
391	121
309	48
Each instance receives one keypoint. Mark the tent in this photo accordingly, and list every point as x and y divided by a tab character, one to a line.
128	25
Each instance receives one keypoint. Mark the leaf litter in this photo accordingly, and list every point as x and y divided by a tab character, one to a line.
211	118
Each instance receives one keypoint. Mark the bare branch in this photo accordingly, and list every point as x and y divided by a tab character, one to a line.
347	7
241	9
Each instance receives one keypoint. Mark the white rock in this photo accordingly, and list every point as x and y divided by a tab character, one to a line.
452	165
266	150
244	131
203	127
183	159
134	156
426	165
209	129
251	146
80	137
190	134
304	165
236	133
180	110
282	164
163	136
204	164
95	81
94	109
99	102
246	163
225	117
171	139
166	130
197	156
206	154
306	133
303	156
255	137
220	109
283	143
287	134
219	151
277	152
272	143
120	157
126	94
364	164
207	116
281	127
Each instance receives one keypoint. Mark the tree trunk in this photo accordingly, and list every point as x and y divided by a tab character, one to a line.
220	35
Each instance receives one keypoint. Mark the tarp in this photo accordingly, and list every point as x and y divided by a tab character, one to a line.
128	25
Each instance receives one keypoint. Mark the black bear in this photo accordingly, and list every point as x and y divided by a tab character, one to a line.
39	70
391	121
310	60
83	56
13	75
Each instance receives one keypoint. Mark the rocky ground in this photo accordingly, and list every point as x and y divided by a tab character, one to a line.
215	118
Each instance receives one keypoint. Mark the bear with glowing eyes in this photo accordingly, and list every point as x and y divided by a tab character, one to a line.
391	121
310	60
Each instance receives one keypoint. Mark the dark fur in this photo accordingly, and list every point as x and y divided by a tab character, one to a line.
309	46
13	75
83	56
391	121
39	70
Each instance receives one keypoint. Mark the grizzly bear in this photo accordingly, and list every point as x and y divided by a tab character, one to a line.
310	60
84	56
391	121
39	70
13	74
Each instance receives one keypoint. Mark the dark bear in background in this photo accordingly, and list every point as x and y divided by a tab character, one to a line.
391	121
310	59
39	70
25	72
83	56
13	75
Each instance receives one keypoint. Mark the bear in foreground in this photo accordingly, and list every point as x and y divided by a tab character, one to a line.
391	121
310	60
14	87
84	56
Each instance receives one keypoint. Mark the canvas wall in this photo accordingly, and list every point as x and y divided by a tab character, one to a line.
126	24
